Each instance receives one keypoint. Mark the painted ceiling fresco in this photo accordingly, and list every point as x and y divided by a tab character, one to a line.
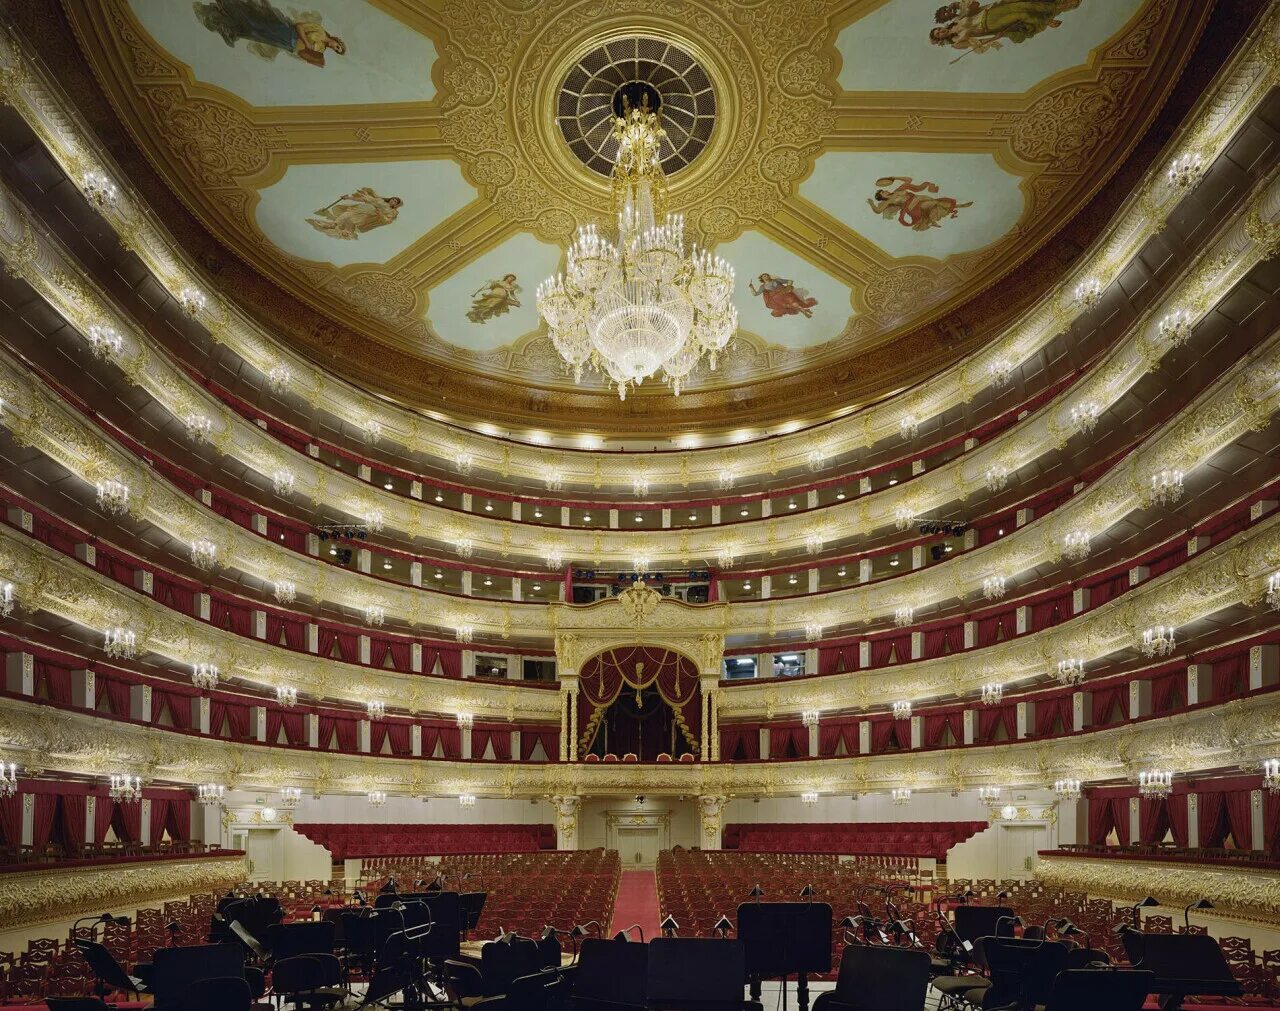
400	166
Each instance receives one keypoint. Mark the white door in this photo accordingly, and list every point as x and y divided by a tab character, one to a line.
263	851
638	847
1018	847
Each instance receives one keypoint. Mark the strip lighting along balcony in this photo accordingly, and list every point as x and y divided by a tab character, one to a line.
809	797
99	190
902	710
113	496
204	553
904	615
466	720
1175	328
8	779
285	591
1071	670
992	694
900	794
1273	590
630	308
1067	789
1271	775
1084	416
210	794
993	587
193	301
1186	170
199	427
810	717
375	614
1156	783
205	676
104	341
290	796
1088	293
996	478
813	631
1166	486
376	798
1158	641
989	795
283	482
7	599
286	696
467	799
1076	545
119	643
123	787
376	709
278	379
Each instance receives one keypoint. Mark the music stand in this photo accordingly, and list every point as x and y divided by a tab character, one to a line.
250	942
611	975
472	907
111	975
1183	964
786	939
695	974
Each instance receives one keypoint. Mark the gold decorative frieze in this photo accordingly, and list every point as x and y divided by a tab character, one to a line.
48	894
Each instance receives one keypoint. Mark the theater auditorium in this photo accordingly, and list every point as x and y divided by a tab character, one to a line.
706	505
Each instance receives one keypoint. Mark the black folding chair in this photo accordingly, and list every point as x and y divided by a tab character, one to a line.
878	979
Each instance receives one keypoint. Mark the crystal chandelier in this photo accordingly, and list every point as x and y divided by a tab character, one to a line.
908	426
1067	789
902	517
193	301
374	520
1084	416
1158	641
631	307
113	496
100	190
1175	328
125	787
286	696
993	587
466	720
1270	775
1076	545
901	794
199	427
375	614
210	794
902	710
810	717
813	543
1156	783
105	341
989	795
555	559
377	798
726	478
467	799
376	709
285	591
809	797
813	631
204	553
6	599
465	633
371	432
205	676
992	693
1089	293
1273	591
1071	671
996	478
8	779
290	796
283	481
464	546
1185	170
640	485
1000	370
902	616
1166	486
278	379
119	643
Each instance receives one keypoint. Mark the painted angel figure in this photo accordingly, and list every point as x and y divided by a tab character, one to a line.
978	27
782	297
495	298
354	213
913	204
268	31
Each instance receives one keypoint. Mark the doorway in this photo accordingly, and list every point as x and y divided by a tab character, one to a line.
1017	850
263	849
638	846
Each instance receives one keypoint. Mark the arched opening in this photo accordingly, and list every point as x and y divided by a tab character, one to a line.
641	701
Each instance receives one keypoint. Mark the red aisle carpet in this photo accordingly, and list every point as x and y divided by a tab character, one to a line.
637	902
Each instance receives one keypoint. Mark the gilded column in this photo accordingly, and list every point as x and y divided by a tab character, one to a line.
564	726
715	725
573	724
703	752
712	810
566	821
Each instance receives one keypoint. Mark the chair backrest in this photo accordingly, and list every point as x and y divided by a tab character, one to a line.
695	970
221	993
1023	971
174	970
296	975
883	979
1100	990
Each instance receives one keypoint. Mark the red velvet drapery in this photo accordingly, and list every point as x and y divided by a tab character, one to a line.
603	678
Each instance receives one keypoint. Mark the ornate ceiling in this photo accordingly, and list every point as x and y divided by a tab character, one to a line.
407	171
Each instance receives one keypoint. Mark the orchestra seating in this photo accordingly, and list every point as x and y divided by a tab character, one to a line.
346	842
908	838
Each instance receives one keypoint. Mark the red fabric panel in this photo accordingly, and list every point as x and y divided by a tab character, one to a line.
891	649
1105	702
104	810
1239	804
46	810
11	820
1153	820
117	693
1120	818
400	734
1052	711
991	717
451	741
232	616
126	819
1176	806
74	808
159	819
1166	692
1108	589
179	823
838	659
178	706
1050	612
295	728
238	721
997	628
1271	823
172	594
1100	820
348	735
294	631
275	723
1230	676
1212	819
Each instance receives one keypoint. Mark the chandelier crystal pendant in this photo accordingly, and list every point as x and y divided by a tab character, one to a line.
376	709
285	591
1071	671
989	795
1156	783
994	587
1084	416
199	427
105	341
630	307
1076	545
904	615
1270	775
119	643
210	794
809	797
113	496
810	717
992	694
7	600
286	696
1166	486
204	553
124	787
290	796
1067	789
8	779
205	676
1158	641
377	798
902	710
901	794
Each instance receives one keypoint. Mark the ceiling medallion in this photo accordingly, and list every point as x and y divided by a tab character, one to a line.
637	70
631	307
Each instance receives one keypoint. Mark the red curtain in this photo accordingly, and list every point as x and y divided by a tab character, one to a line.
740	741
1166	692
295	728
1109	705
1120	819
1153	820
451	741
104	810
550	739
293	631
674	677
1271	823
126	819
1100	820
997	628
1176	807
937	723
992	717
275	723
1230	676
1054	715
179	823
891	649
238	721
1239	805
838	659
46	810
1211	819
74	809
11	820
117	695
159	819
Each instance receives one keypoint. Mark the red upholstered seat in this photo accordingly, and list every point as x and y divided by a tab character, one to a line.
664	757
